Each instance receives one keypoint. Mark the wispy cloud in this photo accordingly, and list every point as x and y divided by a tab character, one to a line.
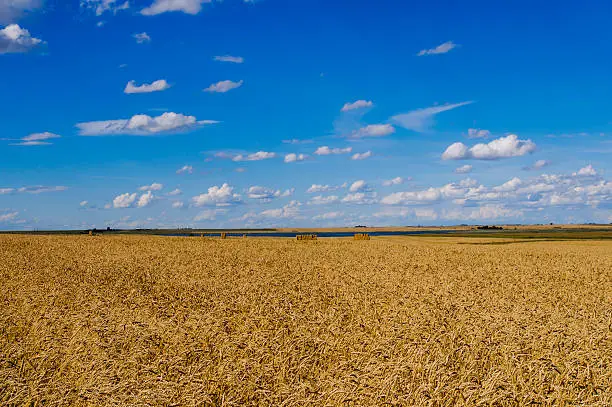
141	38
229	58
361	156
440	49
373	130
359	104
36	139
325	150
102	6
421	120
164	6
186	169
223	86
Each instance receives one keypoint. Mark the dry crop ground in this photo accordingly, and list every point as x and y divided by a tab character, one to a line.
129	320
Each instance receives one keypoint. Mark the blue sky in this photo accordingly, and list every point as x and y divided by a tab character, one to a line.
165	113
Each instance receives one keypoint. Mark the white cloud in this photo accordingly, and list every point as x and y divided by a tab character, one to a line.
143	125
316	188
163	6
229	58
14	39
157	86
511	185
478	133
289	211
6	191
219	196
141	38
124	200
538	165
421	120
297	141
440	49
145	199
464	169
175	192
83	204
504	147
361	156
186	169
486	212
360	104
324	200
373	130
209	214
258	156
178	204
39	189
325	150
413	197
291	158
394	181
267	194
328	216
223	86
587	171
153	187
11	10
102	6
360	198
359	186
7	217
36	139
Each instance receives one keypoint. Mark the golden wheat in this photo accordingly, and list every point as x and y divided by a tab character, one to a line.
401	321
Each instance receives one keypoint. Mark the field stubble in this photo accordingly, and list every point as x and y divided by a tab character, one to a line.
128	320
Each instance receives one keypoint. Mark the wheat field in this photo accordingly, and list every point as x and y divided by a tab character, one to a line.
160	321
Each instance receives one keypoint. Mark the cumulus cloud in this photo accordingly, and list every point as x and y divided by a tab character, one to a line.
373	130
124	200
478	133
258	156
361	156
316	188
84	204
538	165
209	215
359	186
178	204
145	199
587	171
359	104
504	147
164	6
360	198
143	125
153	187
141	38
440	49
156	86
267	194
292	158
394	181
217	196
14	39
229	58
223	86
421	120
325	150
289	211
485	212
324	200
102	6
175	192
464	169
186	169
328	216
